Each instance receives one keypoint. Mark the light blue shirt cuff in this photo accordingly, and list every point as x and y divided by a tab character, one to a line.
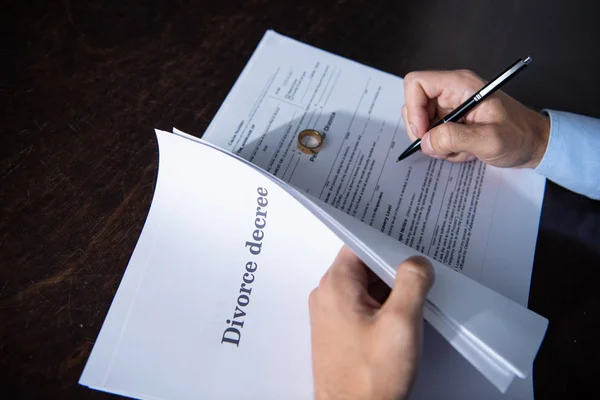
572	158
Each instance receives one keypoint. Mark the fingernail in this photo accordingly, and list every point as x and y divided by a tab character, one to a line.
437	156
470	158
426	144
413	129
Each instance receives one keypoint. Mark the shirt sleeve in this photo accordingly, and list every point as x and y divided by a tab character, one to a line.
572	158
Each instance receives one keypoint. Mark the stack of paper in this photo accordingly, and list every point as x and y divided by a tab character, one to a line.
214	300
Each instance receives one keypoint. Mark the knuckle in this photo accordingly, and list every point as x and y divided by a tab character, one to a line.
312	298
471	77
410	77
324	279
413	80
465	72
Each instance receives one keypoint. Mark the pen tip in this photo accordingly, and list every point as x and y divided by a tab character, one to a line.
415	146
527	60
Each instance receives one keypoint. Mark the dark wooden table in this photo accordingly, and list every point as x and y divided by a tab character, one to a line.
85	82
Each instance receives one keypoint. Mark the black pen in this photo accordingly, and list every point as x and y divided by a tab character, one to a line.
470	103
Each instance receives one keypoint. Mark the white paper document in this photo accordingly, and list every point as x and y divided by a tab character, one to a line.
214	302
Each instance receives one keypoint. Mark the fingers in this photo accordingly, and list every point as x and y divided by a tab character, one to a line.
419	88
406	125
347	281
348	269
457	142
431	93
414	278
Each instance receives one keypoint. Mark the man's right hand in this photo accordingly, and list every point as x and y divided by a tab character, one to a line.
500	131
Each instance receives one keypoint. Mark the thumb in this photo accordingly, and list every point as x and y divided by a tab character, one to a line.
456	138
414	278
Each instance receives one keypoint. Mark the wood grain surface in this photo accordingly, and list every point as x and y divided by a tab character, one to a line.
84	83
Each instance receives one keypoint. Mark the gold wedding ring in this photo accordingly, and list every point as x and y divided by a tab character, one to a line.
309	141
